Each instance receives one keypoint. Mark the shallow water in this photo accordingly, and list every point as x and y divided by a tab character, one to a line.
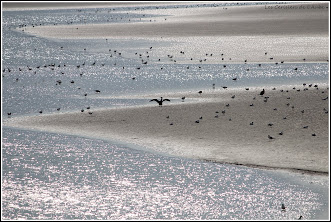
53	176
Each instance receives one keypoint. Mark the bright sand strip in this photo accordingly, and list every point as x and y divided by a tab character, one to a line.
238	32
233	21
216	139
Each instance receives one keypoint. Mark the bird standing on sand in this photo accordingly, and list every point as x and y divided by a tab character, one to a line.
262	92
160	102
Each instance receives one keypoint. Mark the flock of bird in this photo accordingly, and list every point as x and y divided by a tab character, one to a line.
265	99
144	58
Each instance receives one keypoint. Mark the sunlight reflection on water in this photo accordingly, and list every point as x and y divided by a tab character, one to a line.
52	176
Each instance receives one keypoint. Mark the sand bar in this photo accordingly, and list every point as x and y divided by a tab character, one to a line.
234	21
239	136
286	34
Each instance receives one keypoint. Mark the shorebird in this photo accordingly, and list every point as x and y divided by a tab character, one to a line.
97	91
160	102
183	98
283	207
262	92
200	92
270	137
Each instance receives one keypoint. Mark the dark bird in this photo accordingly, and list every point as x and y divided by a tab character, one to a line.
234	79
97	91
262	92
40	111
270	137
90	113
200	92
183	98
300	218
160	102
9	114
58	109
283	207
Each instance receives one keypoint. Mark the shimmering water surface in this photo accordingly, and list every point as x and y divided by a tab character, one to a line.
53	176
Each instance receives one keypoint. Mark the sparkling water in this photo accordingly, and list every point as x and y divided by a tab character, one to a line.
54	176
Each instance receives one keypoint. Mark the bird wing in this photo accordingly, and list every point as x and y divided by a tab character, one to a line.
154	100
166	100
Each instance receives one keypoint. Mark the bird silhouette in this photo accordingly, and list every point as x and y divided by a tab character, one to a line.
262	92
160	102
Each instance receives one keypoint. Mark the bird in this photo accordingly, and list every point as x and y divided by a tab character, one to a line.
9	114
58	109
300	218
90	113
183	98
200	92
262	92
283	207
160	102
252	123
270	137
40	111
97	91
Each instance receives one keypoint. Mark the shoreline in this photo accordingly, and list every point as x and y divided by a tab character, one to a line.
213	139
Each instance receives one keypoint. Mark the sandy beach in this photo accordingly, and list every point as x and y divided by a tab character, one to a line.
231	130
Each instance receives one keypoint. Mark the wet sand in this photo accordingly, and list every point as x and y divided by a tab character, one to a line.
237	136
289	34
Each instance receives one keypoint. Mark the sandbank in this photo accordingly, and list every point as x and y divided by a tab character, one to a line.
289	34
237	136
233	21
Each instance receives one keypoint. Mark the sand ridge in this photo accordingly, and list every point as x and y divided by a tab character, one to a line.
230	130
